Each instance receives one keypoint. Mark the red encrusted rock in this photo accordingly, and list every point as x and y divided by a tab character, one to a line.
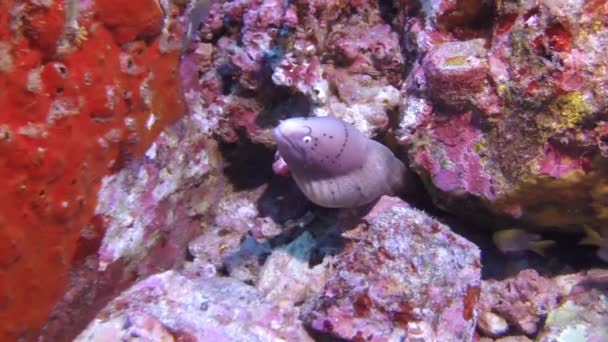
71	113
402	274
129	20
44	22
450	13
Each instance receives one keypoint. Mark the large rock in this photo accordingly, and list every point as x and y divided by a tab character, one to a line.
287	274
402	275
514	119
171	307
147	214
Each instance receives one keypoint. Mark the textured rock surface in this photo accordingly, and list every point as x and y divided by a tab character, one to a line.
151	211
287	275
171	307
276	52
499	108
583	317
402	275
491	324
568	307
510	113
523	301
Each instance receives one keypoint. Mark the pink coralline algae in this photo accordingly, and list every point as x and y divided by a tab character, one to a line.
522	301
582	315
402	275
562	308
170	306
364	69
523	101
279	57
366	50
452	163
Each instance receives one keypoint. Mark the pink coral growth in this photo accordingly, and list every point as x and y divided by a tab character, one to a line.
453	163
559	163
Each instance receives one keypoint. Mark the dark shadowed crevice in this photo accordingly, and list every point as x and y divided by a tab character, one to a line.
228	74
322	337
388	11
282	200
249	165
485	19
281	103
189	256
476	224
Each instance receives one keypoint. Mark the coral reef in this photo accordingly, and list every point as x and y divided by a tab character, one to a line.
141	199
505	114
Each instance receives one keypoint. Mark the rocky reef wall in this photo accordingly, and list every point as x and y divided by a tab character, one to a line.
138	158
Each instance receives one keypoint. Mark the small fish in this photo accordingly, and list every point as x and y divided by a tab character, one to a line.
199	12
334	164
517	240
595	238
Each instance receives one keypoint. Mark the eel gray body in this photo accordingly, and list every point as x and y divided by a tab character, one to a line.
334	164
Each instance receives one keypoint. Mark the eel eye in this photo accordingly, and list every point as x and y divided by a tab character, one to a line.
307	139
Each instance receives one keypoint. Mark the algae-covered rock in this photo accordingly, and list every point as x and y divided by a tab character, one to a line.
172	307
513	121
403	275
583	317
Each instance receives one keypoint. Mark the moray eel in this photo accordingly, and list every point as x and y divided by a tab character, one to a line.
334	164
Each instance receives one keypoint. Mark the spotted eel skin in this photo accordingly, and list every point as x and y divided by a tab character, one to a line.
334	164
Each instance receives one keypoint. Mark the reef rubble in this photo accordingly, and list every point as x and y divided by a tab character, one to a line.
401	274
